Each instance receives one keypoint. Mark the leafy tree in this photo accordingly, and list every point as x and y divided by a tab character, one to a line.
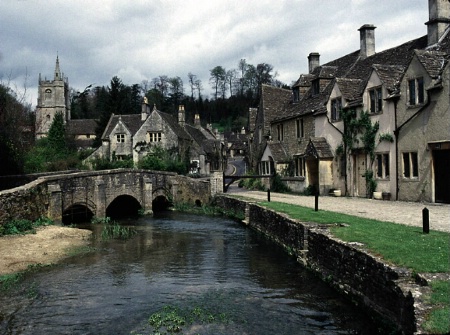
159	159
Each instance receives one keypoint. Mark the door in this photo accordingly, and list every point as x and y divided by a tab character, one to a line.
359	178
441	159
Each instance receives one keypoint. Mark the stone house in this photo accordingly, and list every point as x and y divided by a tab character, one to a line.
404	89
134	135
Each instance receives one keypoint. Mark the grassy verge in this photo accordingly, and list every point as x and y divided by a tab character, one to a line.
401	245
398	244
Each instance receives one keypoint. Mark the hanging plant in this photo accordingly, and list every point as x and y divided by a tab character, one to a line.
386	137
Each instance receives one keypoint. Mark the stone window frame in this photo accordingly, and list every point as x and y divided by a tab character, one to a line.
382	161
416	91
300	166
335	109
154	136
280	132
375	100
410	164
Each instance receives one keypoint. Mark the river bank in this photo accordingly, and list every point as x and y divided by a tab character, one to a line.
50	244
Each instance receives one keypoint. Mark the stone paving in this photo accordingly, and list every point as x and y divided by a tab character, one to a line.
408	213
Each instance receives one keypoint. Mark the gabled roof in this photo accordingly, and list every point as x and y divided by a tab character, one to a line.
304	80
131	121
433	61
173	123
318	147
279	153
390	76
349	88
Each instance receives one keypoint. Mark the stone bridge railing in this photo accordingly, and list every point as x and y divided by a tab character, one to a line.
51	195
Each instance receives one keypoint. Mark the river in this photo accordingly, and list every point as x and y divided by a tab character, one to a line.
207	275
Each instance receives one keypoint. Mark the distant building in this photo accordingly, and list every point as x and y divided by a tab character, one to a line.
53	98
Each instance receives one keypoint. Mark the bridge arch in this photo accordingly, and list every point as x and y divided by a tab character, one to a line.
161	200
123	206
78	212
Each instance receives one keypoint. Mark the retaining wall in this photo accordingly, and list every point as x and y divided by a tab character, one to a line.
364	278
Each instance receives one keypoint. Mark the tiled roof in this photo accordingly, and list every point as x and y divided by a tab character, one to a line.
279	153
390	75
349	88
319	148
173	123
132	121
433	61
274	100
304	80
81	127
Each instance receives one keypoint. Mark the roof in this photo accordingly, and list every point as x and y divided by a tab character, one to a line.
279	153
390	75
81	127
132	121
319	148
173	123
433	61
349	88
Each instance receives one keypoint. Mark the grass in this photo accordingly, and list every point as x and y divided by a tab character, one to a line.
438	321
114	230
398	244
21	226
11	281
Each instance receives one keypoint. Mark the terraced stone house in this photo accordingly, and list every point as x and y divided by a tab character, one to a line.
403	92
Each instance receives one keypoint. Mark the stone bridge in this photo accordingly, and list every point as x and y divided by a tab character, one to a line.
72	197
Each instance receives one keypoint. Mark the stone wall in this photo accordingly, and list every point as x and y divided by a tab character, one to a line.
346	266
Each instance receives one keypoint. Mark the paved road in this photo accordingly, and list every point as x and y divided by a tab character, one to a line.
408	213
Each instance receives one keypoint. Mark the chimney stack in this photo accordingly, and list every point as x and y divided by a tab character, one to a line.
197	120
145	108
181	115
313	61
367	40
439	19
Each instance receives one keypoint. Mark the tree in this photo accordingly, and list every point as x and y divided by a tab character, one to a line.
231	77
57	135
192	79
16	130
217	80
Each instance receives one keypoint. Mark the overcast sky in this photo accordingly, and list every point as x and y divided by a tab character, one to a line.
142	39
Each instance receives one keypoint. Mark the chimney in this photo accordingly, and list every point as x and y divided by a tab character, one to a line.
313	61
197	120
439	19
181	115
367	40
145	108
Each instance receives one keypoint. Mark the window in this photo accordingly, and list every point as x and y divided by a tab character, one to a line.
315	85
416	91
259	135
300	167
280	132
376	100
154	137
382	161
48	93
265	168
299	128
336	107
120	138
410	165
296	94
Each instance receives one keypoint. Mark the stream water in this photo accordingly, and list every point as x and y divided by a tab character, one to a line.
230	278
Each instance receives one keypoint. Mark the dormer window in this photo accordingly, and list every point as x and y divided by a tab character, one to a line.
376	100
296	94
416	91
336	107
315	86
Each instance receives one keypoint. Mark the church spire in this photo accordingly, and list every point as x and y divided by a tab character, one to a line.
57	70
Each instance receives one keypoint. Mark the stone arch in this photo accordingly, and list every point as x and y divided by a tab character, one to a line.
78	212
161	200
124	205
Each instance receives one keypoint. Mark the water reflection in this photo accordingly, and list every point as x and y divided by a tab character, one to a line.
183	261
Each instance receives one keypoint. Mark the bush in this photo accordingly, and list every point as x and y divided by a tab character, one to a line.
278	185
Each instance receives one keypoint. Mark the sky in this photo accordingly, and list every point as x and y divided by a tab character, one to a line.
143	39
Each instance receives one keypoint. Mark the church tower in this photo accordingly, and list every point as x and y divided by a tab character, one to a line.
53	97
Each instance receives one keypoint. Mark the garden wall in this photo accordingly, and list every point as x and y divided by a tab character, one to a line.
346	266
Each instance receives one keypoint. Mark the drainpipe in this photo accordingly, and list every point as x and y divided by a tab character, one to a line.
397	133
